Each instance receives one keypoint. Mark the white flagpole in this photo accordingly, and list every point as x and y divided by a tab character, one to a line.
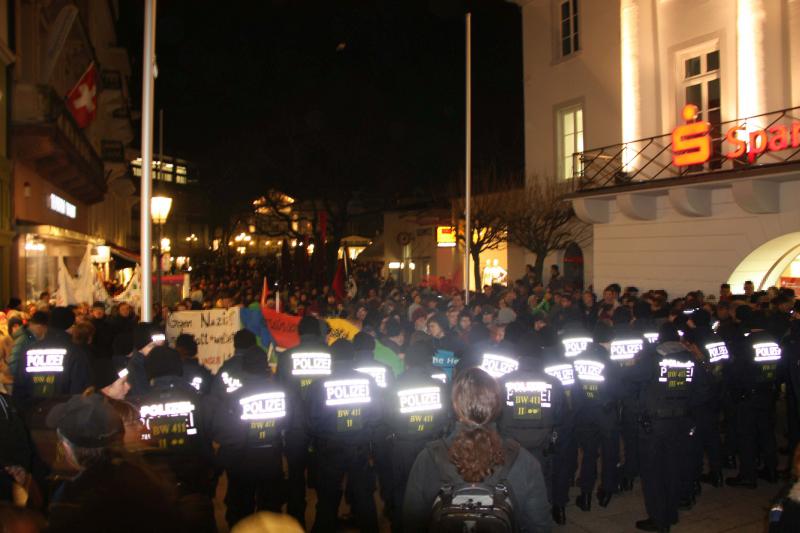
468	158
148	64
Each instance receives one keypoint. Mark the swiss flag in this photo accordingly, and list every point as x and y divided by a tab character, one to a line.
82	99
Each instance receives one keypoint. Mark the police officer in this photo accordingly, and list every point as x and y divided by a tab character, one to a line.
575	339
596	429
565	459
52	367
229	376
712	357
754	377
364	346
342	413
417	408
665	396
298	368
533	411
249	427
194	373
177	421
146	336
626	344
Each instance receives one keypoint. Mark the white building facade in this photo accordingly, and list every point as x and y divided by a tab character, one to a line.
678	124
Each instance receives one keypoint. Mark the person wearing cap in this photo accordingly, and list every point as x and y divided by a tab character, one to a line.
194	373
754	376
343	410
298	368
52	367
250	425
417	410
90	434
532	413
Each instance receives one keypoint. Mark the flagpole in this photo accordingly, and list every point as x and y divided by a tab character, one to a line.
468	156
148	83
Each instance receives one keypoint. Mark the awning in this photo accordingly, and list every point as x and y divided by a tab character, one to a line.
59	234
373	253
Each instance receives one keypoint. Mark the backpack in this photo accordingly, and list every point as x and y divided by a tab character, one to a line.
472	507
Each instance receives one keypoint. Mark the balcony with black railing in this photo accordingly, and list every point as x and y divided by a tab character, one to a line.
770	140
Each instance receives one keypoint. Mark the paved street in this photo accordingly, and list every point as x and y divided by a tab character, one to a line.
717	511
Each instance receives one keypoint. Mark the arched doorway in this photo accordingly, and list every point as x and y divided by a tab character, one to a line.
776	262
573	265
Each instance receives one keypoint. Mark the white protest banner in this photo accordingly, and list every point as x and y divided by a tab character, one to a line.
213	330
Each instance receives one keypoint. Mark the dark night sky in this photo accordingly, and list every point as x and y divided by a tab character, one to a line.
261	84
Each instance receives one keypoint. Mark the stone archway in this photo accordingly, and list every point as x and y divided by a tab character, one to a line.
764	265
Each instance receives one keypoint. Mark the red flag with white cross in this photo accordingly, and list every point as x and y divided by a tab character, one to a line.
82	99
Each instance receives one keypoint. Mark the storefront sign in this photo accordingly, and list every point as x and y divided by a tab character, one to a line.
691	142
61	206
445	236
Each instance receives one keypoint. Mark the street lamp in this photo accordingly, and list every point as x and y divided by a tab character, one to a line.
159	211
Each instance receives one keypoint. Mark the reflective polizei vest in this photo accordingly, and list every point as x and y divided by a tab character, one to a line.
419	411
529	402
264	414
169	424
563	372
651	337
624	351
766	356
45	367
346	399
498	366
308	366
590	375
574	346
378	373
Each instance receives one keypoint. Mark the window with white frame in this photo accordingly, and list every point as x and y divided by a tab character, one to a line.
570	140
568	16
699	72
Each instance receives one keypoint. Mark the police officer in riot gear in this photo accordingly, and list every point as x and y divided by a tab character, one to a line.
626	345
298	368
51	368
343	410
533	411
230	375
711	356
596	429
194	373
755	372
667	384
565	459
249	426
177	421
417	408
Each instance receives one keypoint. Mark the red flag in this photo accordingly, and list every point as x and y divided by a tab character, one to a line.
338	282
82	99
264	292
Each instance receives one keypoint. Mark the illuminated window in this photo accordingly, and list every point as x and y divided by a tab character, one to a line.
569	27
699	70
570	140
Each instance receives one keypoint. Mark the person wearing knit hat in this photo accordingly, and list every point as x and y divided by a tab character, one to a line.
52	367
343	413
298	368
176	423
415	387
248	425
229	376
194	373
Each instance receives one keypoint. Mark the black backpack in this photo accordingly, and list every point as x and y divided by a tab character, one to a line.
462	507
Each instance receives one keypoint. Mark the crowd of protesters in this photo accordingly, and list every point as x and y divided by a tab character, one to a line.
528	314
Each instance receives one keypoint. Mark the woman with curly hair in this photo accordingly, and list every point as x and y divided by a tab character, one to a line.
477	454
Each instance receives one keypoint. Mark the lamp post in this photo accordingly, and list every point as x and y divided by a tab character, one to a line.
159	211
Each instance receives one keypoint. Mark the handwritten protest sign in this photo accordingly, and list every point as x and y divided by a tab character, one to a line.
213	330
